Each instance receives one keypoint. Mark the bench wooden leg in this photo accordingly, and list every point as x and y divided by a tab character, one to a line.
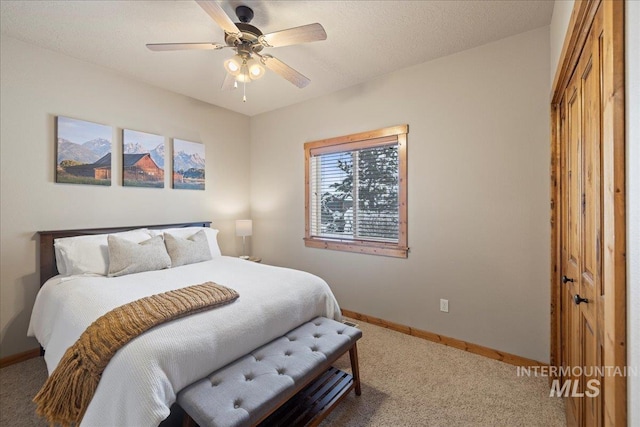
355	369
187	421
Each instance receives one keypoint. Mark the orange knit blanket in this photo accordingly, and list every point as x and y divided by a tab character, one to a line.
66	394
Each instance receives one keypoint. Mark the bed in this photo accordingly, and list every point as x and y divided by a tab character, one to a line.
140	383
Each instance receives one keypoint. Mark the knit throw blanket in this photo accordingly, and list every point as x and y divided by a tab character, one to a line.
66	394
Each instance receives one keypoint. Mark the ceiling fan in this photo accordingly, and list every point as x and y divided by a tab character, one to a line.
248	42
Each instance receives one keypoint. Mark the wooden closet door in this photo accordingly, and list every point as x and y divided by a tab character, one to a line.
588	216
591	292
582	293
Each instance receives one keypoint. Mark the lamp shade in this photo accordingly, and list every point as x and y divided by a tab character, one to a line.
256	70
243	76
244	227
233	65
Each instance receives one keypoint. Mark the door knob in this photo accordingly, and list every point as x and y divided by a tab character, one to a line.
565	279
578	299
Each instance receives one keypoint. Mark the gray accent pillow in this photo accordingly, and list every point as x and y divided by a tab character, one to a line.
127	257
187	251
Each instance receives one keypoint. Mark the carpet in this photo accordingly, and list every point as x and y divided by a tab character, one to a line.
406	381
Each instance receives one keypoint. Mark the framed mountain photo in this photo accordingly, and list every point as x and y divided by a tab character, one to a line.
188	165
142	159
83	152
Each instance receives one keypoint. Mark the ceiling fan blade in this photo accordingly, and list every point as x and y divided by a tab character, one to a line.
217	14
183	46
228	82
303	34
279	67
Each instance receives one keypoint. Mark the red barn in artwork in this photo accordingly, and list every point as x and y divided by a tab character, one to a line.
101	169
141	167
136	167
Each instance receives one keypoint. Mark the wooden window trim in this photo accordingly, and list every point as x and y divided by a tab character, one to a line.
354	145
355	141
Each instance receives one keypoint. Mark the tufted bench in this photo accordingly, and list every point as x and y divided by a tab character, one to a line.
251	389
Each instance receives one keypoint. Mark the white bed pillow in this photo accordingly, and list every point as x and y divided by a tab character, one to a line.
187	250
127	257
186	232
90	254
60	262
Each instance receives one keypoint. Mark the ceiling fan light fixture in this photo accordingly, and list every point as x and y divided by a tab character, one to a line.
243	77
256	70
233	65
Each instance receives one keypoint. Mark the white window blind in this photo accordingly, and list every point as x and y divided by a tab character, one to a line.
354	193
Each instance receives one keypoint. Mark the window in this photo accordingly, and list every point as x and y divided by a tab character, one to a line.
356	192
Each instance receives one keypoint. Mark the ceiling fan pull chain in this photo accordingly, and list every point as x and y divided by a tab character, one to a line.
245	73
244	91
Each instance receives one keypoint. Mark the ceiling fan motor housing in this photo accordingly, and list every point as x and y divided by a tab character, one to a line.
249	35
244	14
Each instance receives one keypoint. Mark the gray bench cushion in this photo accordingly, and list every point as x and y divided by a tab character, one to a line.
242	392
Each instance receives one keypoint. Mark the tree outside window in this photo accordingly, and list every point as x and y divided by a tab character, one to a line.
356	197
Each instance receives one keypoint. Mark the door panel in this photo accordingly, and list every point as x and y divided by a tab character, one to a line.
591	267
591	176
573	202
571	242
591	389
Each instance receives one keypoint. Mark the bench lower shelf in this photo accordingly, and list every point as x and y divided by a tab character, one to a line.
314	402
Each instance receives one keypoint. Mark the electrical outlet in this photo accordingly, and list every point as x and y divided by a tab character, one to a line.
444	305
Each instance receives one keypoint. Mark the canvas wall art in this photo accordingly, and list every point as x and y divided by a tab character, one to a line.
188	165
83	152
142	159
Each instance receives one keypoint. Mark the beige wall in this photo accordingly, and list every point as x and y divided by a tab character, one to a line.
478	194
37	85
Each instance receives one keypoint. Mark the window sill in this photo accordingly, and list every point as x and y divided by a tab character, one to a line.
358	246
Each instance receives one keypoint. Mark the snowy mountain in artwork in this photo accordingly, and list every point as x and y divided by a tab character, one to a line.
185	161
99	146
157	154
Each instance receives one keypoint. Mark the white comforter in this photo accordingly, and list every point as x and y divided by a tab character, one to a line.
141	381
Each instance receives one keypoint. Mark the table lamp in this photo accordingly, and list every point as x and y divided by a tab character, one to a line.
244	228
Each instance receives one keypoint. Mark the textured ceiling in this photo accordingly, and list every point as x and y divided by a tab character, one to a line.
365	39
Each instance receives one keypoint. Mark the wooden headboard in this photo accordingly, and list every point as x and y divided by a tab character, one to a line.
48	267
